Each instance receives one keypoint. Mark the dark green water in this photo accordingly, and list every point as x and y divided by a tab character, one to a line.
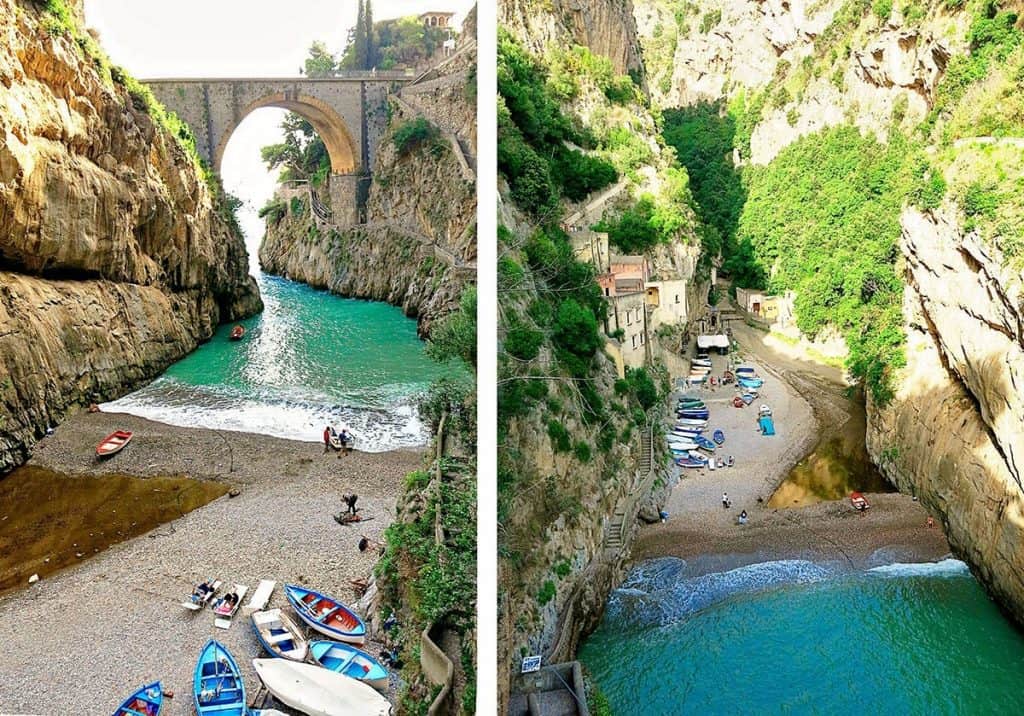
309	359
798	638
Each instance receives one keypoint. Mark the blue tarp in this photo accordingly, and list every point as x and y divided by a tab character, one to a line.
767	426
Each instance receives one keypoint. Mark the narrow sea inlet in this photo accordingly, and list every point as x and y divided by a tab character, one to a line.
310	359
799	637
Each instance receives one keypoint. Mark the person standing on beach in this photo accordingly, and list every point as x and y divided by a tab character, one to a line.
327	439
725	500
350	500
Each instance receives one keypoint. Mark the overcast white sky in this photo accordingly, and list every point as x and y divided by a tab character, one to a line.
236	38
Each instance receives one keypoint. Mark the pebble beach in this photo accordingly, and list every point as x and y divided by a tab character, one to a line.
83	638
805	406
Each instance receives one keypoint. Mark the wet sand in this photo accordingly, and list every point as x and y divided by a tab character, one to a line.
82	639
807	401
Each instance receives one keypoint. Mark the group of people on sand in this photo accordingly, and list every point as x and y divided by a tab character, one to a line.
727	503
344	439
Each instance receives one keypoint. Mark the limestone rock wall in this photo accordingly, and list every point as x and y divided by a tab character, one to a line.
607	28
114	260
873	73
954	434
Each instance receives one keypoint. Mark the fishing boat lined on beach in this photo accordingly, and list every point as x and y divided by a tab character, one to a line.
147	701
350	661
326	615
279	635
217	686
317	691
113	443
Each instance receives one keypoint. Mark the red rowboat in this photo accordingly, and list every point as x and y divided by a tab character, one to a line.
858	501
113	443
237	332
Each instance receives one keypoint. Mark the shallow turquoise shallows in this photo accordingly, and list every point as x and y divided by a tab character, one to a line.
311	358
799	638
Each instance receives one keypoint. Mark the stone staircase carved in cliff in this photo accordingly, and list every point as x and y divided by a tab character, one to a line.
616	531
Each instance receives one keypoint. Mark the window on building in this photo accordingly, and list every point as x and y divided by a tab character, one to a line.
677	298
634	341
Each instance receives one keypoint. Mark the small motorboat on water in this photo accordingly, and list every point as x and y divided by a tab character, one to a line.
859	502
326	614
217	686
237	333
279	635
147	701
113	443
317	691
350	661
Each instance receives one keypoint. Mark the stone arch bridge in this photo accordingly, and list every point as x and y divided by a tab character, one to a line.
348	111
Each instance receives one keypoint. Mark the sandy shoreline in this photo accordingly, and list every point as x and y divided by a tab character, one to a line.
701	531
99	629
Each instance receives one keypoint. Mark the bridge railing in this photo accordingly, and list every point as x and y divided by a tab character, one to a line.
348	75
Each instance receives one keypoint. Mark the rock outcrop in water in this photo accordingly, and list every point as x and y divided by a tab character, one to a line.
417	248
115	259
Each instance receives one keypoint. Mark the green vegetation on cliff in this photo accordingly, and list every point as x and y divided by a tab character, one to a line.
532	133
427	575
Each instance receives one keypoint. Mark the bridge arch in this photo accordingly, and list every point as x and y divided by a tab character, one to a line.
329	125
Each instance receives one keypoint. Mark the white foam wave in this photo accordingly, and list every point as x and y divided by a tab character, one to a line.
656	593
375	429
944	568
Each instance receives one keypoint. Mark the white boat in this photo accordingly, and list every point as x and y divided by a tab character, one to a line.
692	421
317	691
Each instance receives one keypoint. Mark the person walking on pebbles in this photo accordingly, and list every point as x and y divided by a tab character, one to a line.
350	500
726	502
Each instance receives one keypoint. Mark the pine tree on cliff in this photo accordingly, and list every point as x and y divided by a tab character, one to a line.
359	42
371	45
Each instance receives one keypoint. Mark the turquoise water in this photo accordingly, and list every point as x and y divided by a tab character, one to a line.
309	359
800	638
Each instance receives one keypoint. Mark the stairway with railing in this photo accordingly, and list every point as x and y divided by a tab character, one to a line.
616	531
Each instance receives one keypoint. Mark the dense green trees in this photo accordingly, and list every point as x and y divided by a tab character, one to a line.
302	154
532	135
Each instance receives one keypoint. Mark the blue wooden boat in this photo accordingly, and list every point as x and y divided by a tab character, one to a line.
685	402
279	635
326	614
147	701
718	436
217	686
748	398
745	370
704	443
690	462
350	661
750	382
698	414
766	424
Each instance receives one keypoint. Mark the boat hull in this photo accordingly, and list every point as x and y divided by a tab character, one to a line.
217	686
148	700
350	661
272	627
305	601
317	691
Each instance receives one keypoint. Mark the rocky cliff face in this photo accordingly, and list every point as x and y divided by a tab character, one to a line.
417	249
114	260
953	434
